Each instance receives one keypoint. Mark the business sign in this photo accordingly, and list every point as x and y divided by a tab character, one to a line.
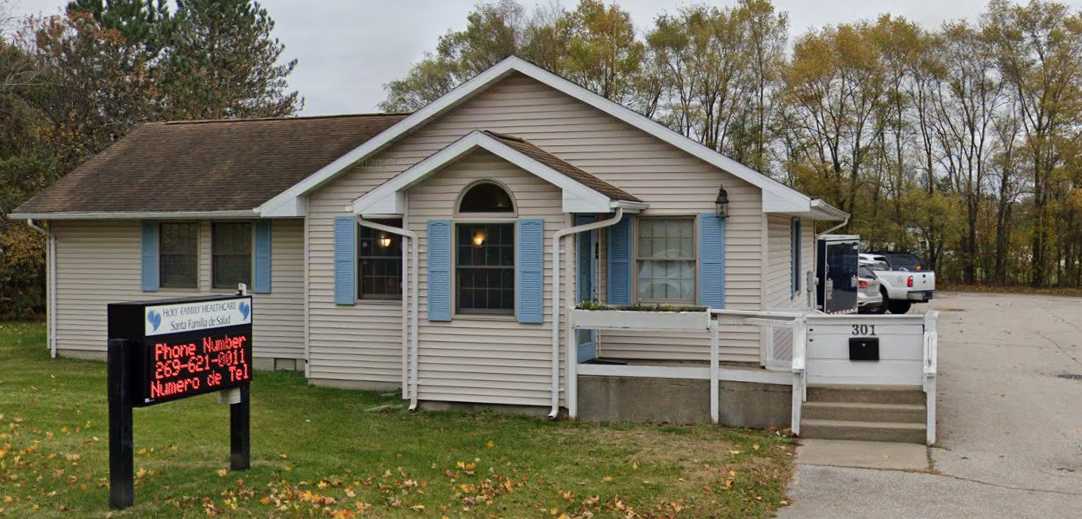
161	351
182	348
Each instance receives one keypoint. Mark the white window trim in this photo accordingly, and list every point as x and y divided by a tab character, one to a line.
635	260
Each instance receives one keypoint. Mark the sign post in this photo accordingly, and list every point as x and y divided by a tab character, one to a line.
160	351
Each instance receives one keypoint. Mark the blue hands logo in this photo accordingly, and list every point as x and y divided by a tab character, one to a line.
155	319
245	309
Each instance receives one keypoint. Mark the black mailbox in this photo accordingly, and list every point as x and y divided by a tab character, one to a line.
864	348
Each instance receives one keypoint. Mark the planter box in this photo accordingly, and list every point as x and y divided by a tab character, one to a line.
639	320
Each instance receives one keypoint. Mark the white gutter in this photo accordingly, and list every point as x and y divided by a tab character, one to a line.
137	215
409	319
50	285
555	411
836	227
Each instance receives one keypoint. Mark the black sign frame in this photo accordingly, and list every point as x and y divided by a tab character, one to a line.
133	367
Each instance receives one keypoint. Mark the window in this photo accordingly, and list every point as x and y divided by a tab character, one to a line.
231	250
380	265
666	260
486	197
177	254
485	268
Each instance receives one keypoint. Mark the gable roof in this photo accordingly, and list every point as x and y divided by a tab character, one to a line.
777	197
581	191
217	167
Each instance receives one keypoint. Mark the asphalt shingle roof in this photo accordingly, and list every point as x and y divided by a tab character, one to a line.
206	165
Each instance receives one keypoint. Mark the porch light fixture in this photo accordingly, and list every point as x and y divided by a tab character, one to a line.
721	204
479	238
384	241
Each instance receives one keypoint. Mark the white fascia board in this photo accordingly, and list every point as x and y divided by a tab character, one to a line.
137	215
773	203
783	195
389	198
290	207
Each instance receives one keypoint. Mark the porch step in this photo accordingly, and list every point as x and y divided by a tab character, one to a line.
864	412
866	394
859	430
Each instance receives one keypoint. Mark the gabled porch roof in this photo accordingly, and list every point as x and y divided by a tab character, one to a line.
582	192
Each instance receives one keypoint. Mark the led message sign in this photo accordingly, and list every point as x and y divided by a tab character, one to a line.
161	351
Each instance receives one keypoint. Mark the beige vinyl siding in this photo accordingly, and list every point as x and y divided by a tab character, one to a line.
779	272
341	342
484	358
98	262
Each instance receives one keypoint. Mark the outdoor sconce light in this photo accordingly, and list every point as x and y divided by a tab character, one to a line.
384	241
479	238
721	205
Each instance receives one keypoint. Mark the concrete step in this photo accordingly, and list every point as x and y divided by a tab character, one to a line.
866	394
868	431
866	412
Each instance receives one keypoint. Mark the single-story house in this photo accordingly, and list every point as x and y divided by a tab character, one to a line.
441	251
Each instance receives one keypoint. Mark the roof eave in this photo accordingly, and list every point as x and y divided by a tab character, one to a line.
136	215
388	198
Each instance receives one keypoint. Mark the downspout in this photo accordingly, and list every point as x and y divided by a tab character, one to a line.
50	285
555	410
411	344
835	228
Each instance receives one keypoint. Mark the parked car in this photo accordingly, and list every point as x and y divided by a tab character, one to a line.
901	285
869	298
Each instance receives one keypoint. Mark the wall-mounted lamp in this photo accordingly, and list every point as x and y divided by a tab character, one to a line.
384	241
721	204
479	238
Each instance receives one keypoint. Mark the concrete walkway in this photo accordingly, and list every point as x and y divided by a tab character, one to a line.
1010	422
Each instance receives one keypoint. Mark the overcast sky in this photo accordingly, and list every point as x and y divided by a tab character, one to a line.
347	49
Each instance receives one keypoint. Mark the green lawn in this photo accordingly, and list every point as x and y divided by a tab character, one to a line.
322	452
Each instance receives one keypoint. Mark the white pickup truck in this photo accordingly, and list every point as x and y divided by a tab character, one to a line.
902	280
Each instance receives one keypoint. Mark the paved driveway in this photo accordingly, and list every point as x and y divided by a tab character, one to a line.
1010	422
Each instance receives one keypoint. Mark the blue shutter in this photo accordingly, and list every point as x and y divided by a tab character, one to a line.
261	278
150	257
439	270
345	260
794	257
712	260
530	270
619	263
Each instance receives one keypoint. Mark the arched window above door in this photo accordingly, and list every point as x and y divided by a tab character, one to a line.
486	197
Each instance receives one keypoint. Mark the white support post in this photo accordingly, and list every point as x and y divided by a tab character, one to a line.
931	367
572	382
800	336
714	359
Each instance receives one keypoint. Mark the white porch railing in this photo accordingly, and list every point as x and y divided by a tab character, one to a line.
791	363
779	355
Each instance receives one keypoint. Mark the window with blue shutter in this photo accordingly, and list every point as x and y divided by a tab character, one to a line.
619	262
439	270
794	259
150	257
261	278
712	260
529	263
345	260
